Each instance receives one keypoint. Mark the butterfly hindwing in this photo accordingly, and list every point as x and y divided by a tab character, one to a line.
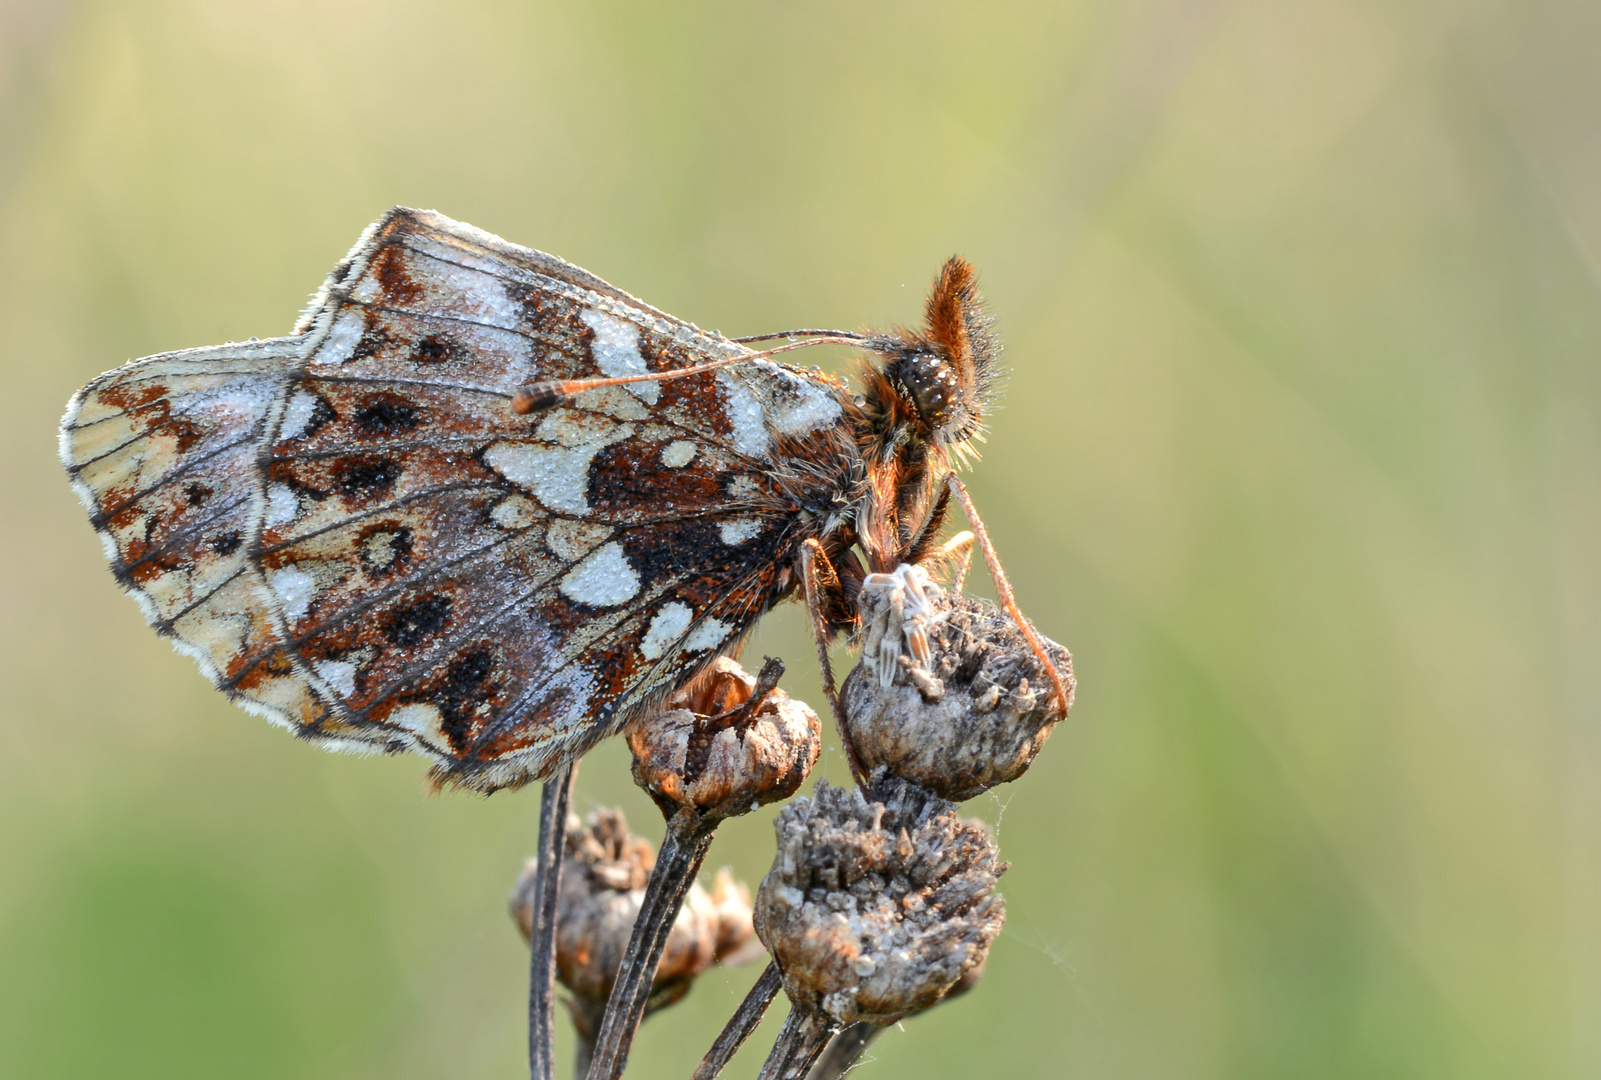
164	454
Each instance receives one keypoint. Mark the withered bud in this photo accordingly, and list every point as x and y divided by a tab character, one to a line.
718	751
948	693
845	1049
603	875
875	909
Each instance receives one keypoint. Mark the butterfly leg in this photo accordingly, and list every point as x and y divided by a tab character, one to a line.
1003	588
954	556
819	580
553	800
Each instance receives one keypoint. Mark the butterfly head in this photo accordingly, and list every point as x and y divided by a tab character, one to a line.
945	371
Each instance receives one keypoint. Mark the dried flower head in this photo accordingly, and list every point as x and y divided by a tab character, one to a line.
845	1049
948	693
720	752
603	876
875	908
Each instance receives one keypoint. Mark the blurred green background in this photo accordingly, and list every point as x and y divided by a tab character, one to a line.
1301	456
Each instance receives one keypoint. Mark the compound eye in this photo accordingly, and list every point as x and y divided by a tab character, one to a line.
933	388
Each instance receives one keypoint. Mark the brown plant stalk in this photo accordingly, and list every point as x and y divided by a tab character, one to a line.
740	743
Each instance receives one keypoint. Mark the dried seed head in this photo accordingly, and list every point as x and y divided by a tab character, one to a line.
715	752
874	910
948	694
845	1049
969	979
603	875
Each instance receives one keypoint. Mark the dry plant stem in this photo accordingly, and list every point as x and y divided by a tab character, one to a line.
585	1052
553	800
741	1024
800	1041
583	1045
682	852
766	682
844	1051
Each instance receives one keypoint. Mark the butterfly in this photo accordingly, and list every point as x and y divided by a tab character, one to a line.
482	505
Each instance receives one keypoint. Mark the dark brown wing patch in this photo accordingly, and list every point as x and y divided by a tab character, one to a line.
355	534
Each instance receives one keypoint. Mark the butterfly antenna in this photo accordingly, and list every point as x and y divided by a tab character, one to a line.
536	397
843	336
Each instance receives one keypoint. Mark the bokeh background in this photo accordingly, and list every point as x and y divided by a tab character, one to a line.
1301	456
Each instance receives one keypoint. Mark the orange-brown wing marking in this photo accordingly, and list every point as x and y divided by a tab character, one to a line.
551	572
356	535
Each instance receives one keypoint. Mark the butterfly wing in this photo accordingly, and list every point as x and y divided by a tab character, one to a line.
354	534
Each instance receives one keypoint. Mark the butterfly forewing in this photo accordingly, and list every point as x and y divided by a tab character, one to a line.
354	533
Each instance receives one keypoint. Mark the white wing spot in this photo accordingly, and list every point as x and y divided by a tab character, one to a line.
558	476
295	588
342	337
339	674
615	401
297	414
380	550
616	352
604	579
282	504
514	512
671	620
421	719
799	406
677	454
708	634
485	297
745	415
575	428
739	530
572	540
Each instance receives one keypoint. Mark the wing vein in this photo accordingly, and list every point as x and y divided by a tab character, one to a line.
167	479
346	615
